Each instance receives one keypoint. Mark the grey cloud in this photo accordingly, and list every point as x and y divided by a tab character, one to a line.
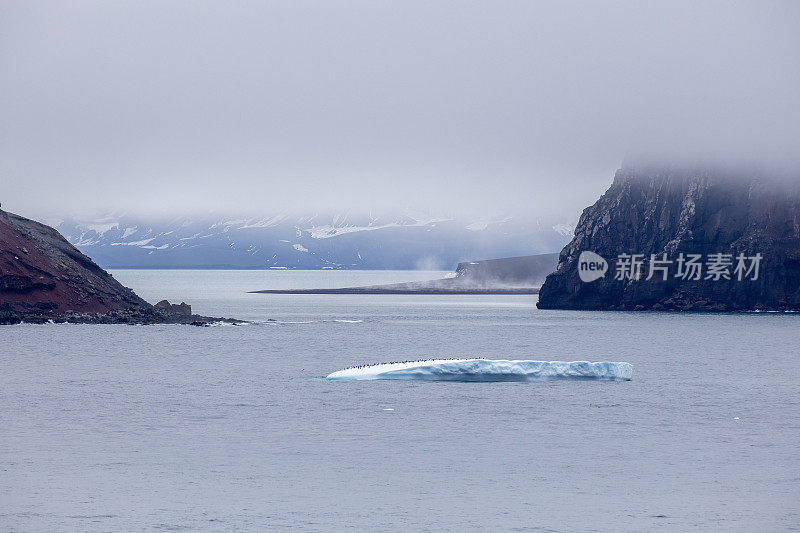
303	105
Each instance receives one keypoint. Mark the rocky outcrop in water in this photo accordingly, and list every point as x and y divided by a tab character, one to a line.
43	278
181	309
677	239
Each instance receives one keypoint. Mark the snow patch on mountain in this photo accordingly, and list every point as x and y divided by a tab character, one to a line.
565	229
327	231
141	243
102	229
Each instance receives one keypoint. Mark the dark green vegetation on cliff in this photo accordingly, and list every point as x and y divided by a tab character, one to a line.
681	213
43	277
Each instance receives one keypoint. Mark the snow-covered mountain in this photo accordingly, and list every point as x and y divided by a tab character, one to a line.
341	241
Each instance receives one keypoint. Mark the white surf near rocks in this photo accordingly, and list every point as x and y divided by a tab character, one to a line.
487	370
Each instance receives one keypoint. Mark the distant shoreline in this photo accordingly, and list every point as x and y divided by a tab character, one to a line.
254	269
357	290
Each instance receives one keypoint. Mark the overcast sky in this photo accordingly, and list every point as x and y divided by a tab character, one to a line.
463	106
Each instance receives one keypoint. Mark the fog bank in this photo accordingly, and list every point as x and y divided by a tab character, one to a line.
453	106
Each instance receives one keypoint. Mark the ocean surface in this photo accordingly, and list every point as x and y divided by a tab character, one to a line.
232	428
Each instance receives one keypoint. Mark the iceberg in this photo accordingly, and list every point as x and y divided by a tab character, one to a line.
487	370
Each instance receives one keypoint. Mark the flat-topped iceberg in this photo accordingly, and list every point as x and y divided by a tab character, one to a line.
487	370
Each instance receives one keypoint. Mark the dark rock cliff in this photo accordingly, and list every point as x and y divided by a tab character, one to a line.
44	277
40	270
691	216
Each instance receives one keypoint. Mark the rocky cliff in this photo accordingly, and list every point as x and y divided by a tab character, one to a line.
678	239
43	277
525	271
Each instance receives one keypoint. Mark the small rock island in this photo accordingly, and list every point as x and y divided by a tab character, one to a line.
44	278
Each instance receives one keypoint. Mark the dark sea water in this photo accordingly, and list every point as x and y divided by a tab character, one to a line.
130	428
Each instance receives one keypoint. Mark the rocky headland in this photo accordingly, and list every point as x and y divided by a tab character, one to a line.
682	239
44	278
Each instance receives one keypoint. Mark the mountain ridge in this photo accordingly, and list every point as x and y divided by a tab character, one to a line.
322	241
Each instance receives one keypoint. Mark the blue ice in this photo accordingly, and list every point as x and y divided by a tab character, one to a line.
487	370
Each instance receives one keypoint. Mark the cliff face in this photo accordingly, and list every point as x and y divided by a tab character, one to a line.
525	271
712	226
41	272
